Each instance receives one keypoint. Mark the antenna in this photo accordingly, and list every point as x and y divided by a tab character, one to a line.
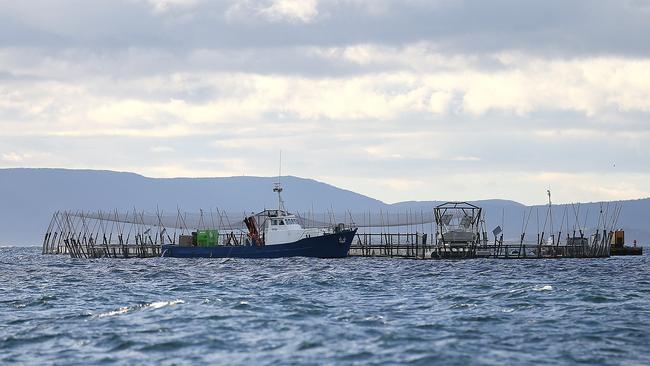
278	186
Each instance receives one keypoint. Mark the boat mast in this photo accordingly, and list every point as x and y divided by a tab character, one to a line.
277	187
550	213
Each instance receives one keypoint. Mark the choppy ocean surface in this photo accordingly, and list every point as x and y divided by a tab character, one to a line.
58	310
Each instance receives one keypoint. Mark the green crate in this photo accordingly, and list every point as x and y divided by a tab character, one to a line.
207	238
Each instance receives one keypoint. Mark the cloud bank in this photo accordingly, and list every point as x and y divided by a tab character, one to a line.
401	100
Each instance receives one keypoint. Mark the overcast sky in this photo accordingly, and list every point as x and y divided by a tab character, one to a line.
399	100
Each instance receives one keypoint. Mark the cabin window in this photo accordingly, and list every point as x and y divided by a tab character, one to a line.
274	222
281	222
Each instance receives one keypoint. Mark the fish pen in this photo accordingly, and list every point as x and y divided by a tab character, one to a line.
452	230
460	233
135	234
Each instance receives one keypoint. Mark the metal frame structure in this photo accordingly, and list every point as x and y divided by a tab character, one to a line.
417	235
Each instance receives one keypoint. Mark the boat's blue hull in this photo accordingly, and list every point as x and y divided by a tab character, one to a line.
327	246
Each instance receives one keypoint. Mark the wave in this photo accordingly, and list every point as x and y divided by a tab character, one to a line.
543	288
127	309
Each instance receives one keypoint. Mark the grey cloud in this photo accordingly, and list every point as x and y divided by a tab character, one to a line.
471	26
82	62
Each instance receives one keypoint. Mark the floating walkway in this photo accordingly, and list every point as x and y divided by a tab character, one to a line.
417	250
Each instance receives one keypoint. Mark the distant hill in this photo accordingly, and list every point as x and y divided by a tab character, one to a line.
28	197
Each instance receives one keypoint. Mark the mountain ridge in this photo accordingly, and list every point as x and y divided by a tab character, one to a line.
29	196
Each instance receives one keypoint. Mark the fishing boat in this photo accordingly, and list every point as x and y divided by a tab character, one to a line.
270	234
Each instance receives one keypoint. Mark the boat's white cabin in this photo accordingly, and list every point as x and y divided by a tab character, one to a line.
281	227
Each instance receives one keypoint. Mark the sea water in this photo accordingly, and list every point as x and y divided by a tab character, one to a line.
165	311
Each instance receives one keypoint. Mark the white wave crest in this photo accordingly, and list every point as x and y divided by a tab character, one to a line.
543	288
153	305
160	304
114	312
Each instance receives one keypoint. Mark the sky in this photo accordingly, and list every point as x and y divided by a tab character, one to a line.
399	100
